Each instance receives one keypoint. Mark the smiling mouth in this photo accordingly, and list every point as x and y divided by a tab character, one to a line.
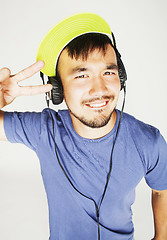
97	104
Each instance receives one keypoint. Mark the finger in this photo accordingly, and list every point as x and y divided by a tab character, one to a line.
4	74
34	90
29	71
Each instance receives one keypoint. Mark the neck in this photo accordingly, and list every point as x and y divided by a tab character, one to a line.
93	133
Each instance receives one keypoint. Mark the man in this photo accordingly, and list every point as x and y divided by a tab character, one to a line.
92	156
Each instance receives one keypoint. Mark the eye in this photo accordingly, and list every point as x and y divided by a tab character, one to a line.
109	73
82	76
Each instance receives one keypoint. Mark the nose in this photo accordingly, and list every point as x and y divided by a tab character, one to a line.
98	86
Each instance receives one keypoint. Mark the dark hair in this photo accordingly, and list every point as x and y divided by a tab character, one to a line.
84	44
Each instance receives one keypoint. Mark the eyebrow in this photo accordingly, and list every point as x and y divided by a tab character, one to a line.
79	69
111	66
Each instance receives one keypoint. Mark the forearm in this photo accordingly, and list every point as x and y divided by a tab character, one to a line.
159	205
2	131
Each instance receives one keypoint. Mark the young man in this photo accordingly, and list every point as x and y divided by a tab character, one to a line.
92	157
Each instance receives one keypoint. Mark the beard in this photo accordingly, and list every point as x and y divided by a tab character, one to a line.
97	122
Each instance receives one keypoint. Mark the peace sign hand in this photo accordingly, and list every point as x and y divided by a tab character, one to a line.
10	89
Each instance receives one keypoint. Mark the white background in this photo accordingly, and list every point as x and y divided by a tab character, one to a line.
141	33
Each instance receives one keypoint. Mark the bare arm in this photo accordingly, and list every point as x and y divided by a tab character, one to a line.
2	132
159	205
10	89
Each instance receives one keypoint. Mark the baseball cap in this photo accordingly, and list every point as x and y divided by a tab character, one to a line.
64	32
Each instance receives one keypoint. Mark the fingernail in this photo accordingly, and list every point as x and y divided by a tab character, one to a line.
41	62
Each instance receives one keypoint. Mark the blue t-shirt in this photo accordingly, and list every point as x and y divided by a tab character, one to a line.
140	151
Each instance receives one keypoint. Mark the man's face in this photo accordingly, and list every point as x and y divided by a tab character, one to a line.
91	87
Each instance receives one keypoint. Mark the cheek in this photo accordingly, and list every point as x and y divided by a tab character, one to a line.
72	95
118	84
114	86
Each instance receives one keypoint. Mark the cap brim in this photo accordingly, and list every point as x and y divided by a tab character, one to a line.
65	31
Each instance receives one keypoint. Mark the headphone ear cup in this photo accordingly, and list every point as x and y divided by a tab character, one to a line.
121	72
121	69
57	90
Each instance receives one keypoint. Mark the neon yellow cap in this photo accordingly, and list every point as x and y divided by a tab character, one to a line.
65	31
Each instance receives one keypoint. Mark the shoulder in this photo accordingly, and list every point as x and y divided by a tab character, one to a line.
139	129
59	119
147	139
59	115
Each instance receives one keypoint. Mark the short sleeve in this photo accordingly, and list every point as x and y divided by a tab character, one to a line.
23	128
156	177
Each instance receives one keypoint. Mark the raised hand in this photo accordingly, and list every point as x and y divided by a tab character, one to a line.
10	89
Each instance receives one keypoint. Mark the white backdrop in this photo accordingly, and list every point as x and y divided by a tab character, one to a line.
141	33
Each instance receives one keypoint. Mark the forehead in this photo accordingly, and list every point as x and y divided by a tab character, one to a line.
95	56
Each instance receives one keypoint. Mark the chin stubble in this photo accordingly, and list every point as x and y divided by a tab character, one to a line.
98	122
95	123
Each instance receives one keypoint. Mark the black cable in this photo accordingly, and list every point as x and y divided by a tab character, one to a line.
109	173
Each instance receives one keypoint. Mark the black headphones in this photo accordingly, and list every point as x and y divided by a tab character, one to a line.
57	90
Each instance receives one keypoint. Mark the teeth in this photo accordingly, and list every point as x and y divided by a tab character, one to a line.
97	105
